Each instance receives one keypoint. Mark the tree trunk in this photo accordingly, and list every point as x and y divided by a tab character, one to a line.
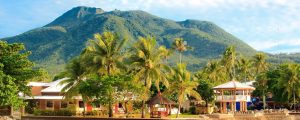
143	109
83	109
206	103
108	69
179	105
264	99
294	100
110	111
125	107
180	57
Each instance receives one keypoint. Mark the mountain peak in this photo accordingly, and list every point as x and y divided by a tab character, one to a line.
76	14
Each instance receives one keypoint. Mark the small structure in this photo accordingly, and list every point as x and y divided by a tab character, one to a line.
231	93
160	106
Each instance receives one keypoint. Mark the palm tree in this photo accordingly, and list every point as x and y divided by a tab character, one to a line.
147	61
290	81
260	63
183	85
214	72
104	53
75	73
180	45
244	66
261	66
228	60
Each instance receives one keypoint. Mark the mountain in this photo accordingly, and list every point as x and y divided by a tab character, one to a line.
57	42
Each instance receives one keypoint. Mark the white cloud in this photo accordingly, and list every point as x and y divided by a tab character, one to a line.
268	44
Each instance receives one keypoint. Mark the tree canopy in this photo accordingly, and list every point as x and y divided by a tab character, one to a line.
16	70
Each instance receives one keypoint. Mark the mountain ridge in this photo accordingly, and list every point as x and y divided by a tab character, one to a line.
57	42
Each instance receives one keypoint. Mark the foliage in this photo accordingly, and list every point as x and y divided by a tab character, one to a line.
229	62
213	72
62	112
282	81
183	85
15	72
192	110
148	65
205	90
103	54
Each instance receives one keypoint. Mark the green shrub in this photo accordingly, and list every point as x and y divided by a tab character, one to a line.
93	113
62	112
192	110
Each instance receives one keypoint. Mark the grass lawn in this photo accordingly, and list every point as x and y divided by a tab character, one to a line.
184	116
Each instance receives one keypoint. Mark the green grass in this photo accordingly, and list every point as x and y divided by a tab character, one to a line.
184	116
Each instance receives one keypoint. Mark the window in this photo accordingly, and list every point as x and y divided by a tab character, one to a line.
81	104
49	104
63	104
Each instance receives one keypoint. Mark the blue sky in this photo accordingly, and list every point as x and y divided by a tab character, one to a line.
266	25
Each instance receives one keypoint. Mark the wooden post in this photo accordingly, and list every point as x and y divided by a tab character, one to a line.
221	107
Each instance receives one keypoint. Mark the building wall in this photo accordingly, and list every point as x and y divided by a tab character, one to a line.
42	104
56	104
36	90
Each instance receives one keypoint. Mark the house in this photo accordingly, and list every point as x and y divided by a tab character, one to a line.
48	96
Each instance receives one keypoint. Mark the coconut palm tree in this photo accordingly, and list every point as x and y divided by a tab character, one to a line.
244	66
261	66
104	56
228	60
147	62
75	73
214	72
104	53
180	45
260	63
183	85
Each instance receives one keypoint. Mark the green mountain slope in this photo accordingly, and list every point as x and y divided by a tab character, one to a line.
57	42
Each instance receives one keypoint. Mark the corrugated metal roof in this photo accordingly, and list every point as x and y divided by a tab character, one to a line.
50	97
55	86
233	85
37	84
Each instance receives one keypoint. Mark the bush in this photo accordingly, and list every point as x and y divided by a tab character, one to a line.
93	113
62	112
192	110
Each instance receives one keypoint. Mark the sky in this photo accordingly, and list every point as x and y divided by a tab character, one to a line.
266	25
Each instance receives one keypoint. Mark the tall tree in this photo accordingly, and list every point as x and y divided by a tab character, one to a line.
183	85
260	66
213	71
206	91
104	53
16	70
229	61
180	45
260	63
244	67
76	75
147	62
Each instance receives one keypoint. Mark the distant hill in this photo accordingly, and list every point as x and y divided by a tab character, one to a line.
59	41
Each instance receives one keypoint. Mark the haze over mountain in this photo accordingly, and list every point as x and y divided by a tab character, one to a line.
57	42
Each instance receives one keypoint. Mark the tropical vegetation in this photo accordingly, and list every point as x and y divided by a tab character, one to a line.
108	67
